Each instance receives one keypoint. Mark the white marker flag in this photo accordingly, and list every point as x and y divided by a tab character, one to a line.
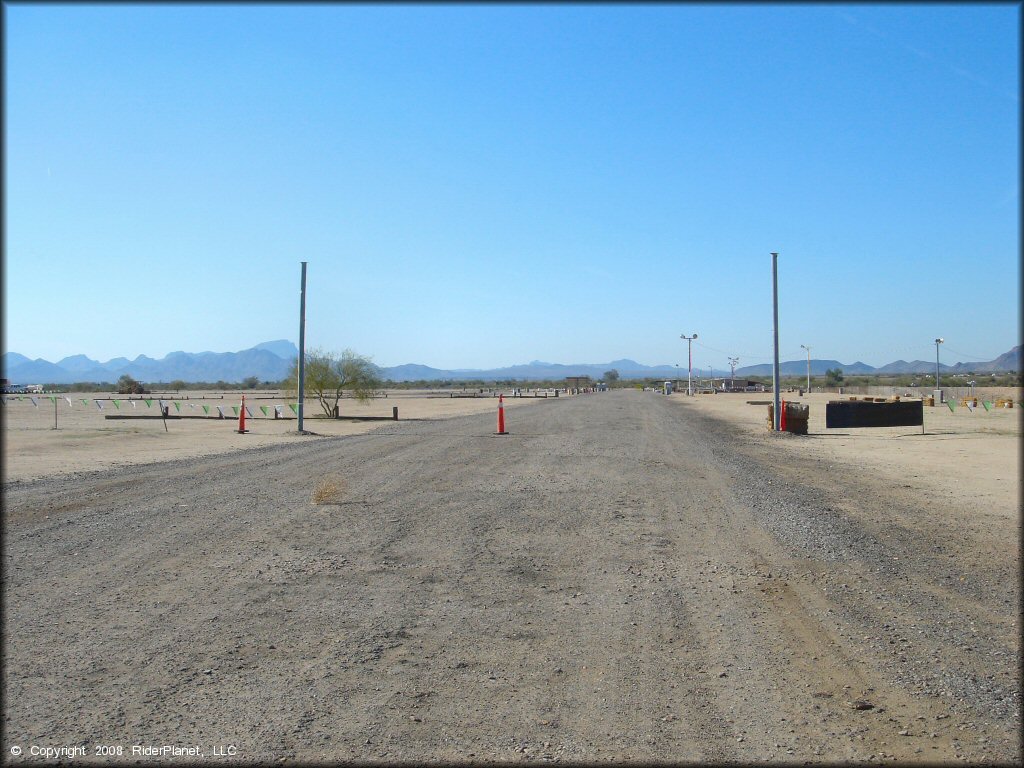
34	402
69	401
248	410
132	402
99	405
220	410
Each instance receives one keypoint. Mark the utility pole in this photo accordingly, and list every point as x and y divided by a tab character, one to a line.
732	369
775	335
938	390
808	367
689	368
302	344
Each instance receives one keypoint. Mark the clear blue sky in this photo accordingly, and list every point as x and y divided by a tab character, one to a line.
480	186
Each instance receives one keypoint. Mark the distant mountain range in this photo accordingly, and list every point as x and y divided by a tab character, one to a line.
630	369
272	361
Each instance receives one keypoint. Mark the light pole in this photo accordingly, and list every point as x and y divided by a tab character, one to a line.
732	368
689	367
937	342
302	347
777	425
808	367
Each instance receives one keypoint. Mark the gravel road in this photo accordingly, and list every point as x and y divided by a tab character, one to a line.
618	579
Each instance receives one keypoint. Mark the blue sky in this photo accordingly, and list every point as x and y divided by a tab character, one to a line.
480	186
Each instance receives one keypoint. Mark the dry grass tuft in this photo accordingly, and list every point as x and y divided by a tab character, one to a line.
329	490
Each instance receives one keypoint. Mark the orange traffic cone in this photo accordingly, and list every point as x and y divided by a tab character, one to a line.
241	418
501	416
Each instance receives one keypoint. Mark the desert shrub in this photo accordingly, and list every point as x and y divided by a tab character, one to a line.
328	490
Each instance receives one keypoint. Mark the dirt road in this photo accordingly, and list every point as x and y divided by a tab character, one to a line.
617	579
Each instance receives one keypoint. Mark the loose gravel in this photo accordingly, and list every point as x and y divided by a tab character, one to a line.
619	579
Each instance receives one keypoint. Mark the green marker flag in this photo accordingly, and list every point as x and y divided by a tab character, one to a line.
206	409
117	404
235	409
85	401
294	407
952	405
987	404
177	406
148	403
265	411
52	399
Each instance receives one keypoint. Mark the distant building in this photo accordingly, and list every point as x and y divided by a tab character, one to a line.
742	385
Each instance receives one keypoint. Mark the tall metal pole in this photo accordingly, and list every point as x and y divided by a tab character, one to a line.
689	365
732	374
689	368
775	334
937	342
302	344
808	367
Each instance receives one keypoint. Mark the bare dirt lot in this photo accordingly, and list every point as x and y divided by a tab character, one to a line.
625	577
85	439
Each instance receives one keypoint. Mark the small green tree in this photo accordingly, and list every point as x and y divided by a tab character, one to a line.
611	377
329	375
834	377
250	382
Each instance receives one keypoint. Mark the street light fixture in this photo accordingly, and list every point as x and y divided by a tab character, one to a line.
802	346
732	375
689	367
937	342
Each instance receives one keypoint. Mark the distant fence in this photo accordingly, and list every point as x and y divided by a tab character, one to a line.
988	393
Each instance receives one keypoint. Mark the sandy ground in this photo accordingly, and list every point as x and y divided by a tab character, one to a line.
967	457
86	440
623	578
973	457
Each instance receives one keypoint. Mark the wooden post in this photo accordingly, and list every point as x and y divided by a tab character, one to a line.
394	412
